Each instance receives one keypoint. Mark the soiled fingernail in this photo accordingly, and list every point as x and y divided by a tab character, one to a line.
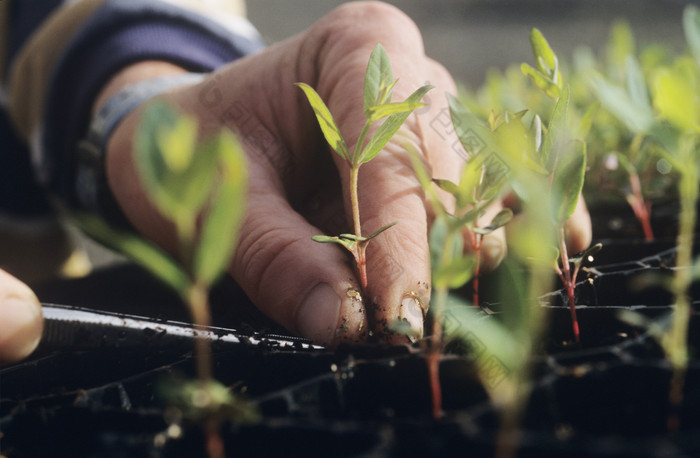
317	317
411	311
21	325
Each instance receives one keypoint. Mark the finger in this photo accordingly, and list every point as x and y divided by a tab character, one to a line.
579	231
21	320
493	245
578	227
306	286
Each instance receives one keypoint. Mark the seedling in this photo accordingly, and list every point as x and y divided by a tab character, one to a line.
482	182
378	90
201	188
563	159
630	105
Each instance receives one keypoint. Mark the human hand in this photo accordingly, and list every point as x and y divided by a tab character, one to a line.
21	322
298	188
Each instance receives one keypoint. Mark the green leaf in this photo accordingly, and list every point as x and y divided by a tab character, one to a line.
567	181
379	231
150	164
382	111
350	245
325	120
691	29
617	101
169	168
541	80
177	144
501	219
556	131
620	45
675	95
636	85
472	133
455	274
444	243
226	212
545	58
587	120
156	261
579	258
379	80
390	126
447	185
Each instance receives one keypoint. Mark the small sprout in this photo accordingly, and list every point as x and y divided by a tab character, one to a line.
377	93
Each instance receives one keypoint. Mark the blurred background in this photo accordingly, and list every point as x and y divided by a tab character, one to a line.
470	36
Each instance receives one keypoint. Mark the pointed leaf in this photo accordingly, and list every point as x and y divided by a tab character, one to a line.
619	104
579	258
447	185
378	78
152	258
350	245
568	181
390	126
541	80
636	85
224	218
691	29
380	230
150	164
556	131
472	133
675	95
455	274
178	143
501	219
325	120
544	55
382	111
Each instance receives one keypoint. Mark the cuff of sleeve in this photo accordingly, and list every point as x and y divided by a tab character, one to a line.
121	33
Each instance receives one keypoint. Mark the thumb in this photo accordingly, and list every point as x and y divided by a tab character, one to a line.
305	286
21	321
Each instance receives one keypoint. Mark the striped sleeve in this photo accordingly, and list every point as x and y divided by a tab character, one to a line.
52	79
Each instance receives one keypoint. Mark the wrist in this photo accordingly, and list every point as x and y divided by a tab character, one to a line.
132	74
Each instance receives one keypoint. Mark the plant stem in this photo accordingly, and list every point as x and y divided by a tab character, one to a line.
566	278
360	257
435	351
476	247
677	347
639	207
198	301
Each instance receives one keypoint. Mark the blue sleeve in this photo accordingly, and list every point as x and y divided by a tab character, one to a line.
122	32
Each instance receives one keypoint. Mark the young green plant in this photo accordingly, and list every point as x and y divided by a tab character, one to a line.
199	186
481	183
632	107
671	123
562	159
378	90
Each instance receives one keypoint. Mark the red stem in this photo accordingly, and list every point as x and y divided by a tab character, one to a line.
568	283
476	245
433	360
639	207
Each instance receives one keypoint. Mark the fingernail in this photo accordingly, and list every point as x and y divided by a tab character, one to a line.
411	311
317	317
21	328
